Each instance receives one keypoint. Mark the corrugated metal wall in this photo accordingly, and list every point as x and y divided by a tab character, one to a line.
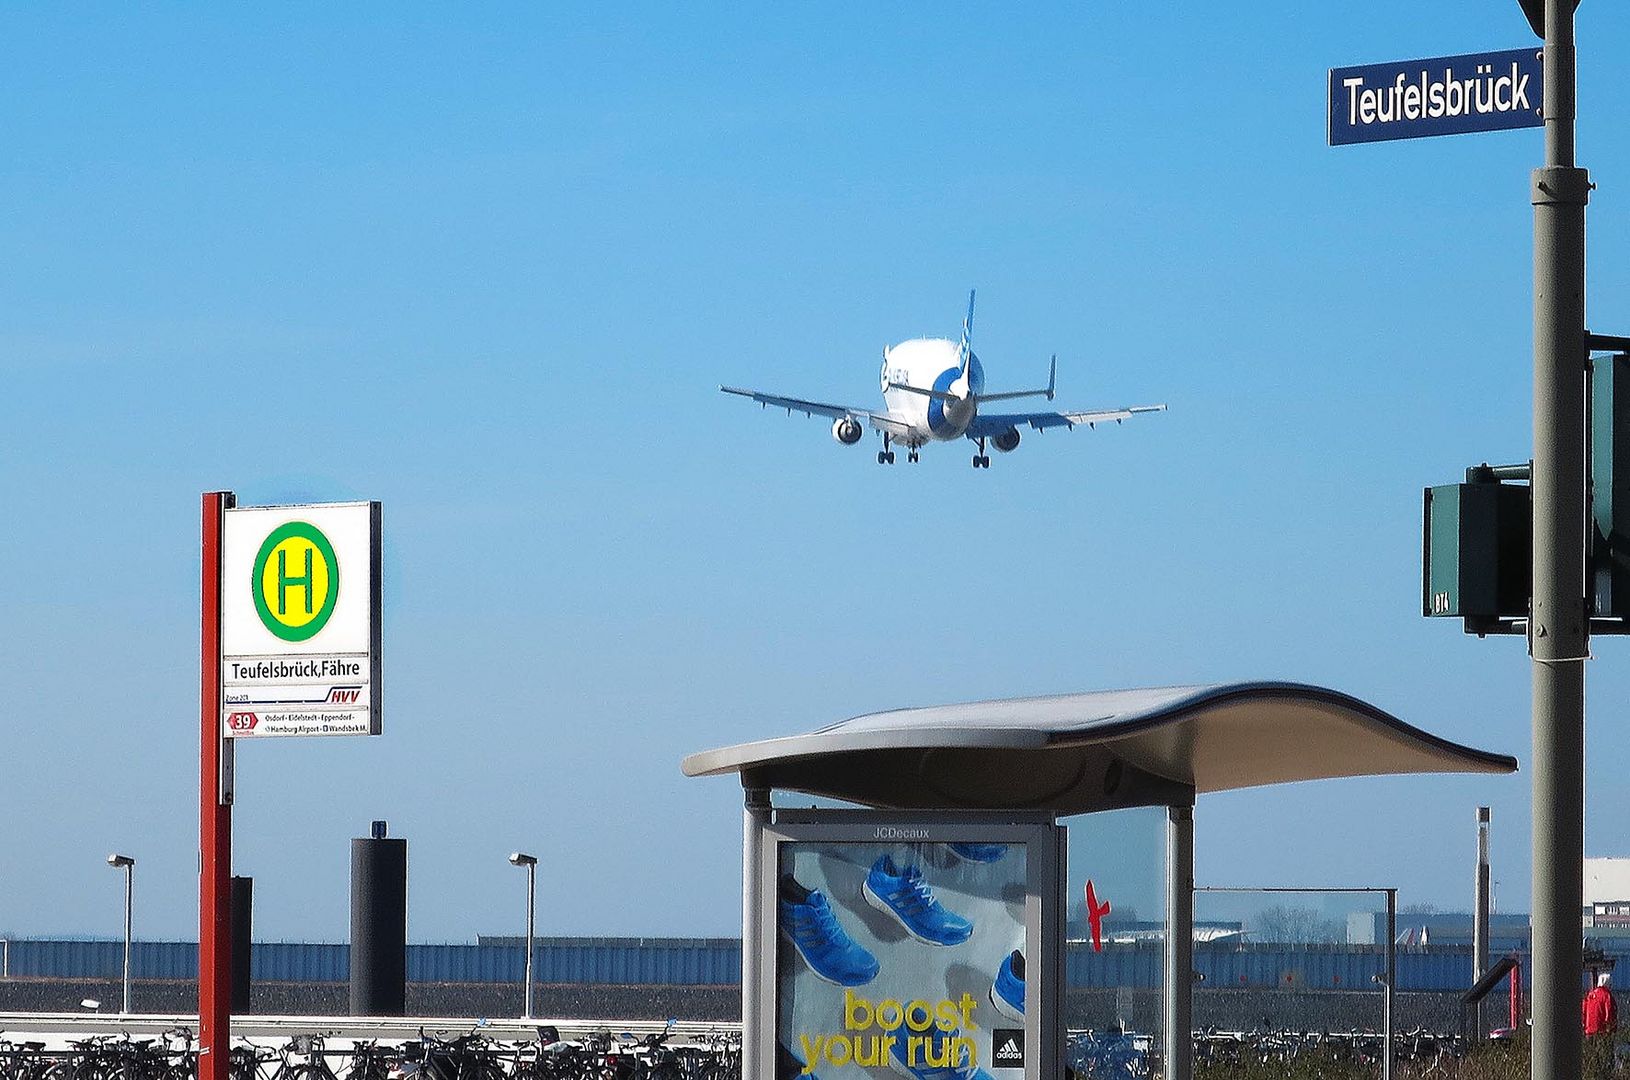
717	962
626	961
1330	967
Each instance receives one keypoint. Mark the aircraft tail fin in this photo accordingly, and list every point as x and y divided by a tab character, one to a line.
966	348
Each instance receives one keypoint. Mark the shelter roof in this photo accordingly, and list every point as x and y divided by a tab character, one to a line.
1077	753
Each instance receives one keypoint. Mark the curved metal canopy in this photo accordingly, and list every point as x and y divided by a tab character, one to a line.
1077	753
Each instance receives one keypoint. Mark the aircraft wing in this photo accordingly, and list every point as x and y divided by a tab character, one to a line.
992	424
880	421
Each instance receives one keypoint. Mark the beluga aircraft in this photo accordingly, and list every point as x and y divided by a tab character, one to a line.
932	392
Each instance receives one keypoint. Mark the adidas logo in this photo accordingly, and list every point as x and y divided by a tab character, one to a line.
1007	1048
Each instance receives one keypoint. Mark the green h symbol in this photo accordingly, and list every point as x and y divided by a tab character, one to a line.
285	582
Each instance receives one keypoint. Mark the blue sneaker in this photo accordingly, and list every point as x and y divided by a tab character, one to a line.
937	1050
979	852
1007	992
807	921
901	892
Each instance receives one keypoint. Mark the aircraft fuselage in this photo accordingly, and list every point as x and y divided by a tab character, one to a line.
931	364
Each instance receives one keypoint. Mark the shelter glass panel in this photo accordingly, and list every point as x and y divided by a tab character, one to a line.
1291	972
1115	931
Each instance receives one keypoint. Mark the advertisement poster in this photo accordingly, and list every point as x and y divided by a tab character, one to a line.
901	959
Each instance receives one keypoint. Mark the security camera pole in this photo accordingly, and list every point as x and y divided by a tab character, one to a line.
1559	628
520	858
128	865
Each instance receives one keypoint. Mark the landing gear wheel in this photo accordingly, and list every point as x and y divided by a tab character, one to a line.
980	461
882	457
912	457
890	456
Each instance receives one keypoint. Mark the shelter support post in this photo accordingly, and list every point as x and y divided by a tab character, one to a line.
754	819
1177	1012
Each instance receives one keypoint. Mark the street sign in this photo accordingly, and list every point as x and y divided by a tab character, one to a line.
300	620
1445	95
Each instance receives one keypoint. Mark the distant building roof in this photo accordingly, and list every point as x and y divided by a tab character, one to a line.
1606	879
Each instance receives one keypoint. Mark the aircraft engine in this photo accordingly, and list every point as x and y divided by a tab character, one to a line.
846	429
1007	441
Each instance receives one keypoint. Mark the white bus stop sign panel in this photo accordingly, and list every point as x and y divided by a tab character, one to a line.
300	620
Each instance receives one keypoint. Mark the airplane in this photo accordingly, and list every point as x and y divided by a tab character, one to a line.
932	391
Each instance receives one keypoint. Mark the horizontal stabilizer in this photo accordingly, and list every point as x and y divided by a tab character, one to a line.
937	395
1052	382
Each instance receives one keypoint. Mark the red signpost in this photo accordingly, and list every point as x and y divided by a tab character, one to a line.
214	816
1516	997
250	626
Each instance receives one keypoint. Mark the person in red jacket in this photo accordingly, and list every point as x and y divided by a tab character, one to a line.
1601	1016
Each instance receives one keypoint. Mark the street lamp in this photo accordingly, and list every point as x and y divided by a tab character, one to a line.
521	858
128	865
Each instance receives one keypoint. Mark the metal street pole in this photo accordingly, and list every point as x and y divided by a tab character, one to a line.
531	916
128	865
130	888
1559	631
520	858
1392	981
1480	909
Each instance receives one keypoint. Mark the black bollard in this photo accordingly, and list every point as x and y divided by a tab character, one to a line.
243	909
378	925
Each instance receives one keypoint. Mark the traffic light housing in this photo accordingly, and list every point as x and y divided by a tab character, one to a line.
1477	537
1610	486
1477	550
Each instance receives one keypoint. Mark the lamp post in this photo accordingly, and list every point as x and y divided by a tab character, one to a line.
128	865
521	858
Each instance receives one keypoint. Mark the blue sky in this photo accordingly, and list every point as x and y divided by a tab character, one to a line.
490	266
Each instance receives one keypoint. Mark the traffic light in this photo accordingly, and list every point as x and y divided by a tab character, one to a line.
1476	550
1477	537
1610	485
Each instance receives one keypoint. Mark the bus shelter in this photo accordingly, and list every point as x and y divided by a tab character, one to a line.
852	964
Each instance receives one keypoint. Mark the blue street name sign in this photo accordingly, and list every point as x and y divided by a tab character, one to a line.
1446	95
